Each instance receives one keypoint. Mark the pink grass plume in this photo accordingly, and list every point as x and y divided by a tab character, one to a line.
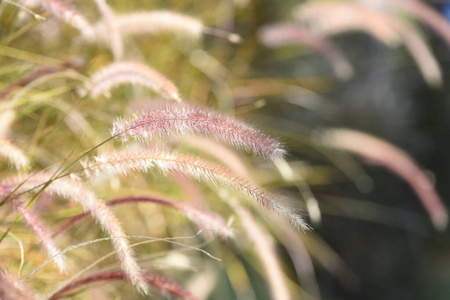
12	288
427	15
176	119
36	226
131	72
396	160
112	30
291	33
67	188
69	15
129	162
40	232
13	154
330	18
162	22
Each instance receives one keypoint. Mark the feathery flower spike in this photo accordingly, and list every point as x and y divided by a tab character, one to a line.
13	154
421	53
156	22
37	228
162	21
333	18
290	33
169	119
128	162
112	30
228	157
67	188
12	288
40	232
329	18
399	162
130	72
69	15
427	15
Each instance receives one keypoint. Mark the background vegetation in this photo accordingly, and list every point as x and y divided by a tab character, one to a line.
372	238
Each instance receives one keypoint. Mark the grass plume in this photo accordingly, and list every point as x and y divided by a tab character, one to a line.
115	37
129	162
69	15
169	119
131	72
154	22
281	34
12	288
396	160
40	232
339	17
70	189
426	15
330	18
13	154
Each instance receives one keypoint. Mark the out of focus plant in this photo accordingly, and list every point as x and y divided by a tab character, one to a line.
135	112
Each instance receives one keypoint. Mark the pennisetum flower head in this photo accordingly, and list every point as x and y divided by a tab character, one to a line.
67	188
13	154
176	119
277	35
380	152
128	162
131	72
155	22
40	232
69	15
160	22
13	288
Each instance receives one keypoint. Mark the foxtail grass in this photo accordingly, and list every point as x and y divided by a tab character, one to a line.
129	162
382	153
67	188
176	119
131	72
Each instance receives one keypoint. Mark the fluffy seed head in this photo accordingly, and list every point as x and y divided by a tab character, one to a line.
131	72
12	288
69	15
154	22
428	15
172	119
129	162
13	154
330	18
70	189
40	232
398	161
112	31
292	33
